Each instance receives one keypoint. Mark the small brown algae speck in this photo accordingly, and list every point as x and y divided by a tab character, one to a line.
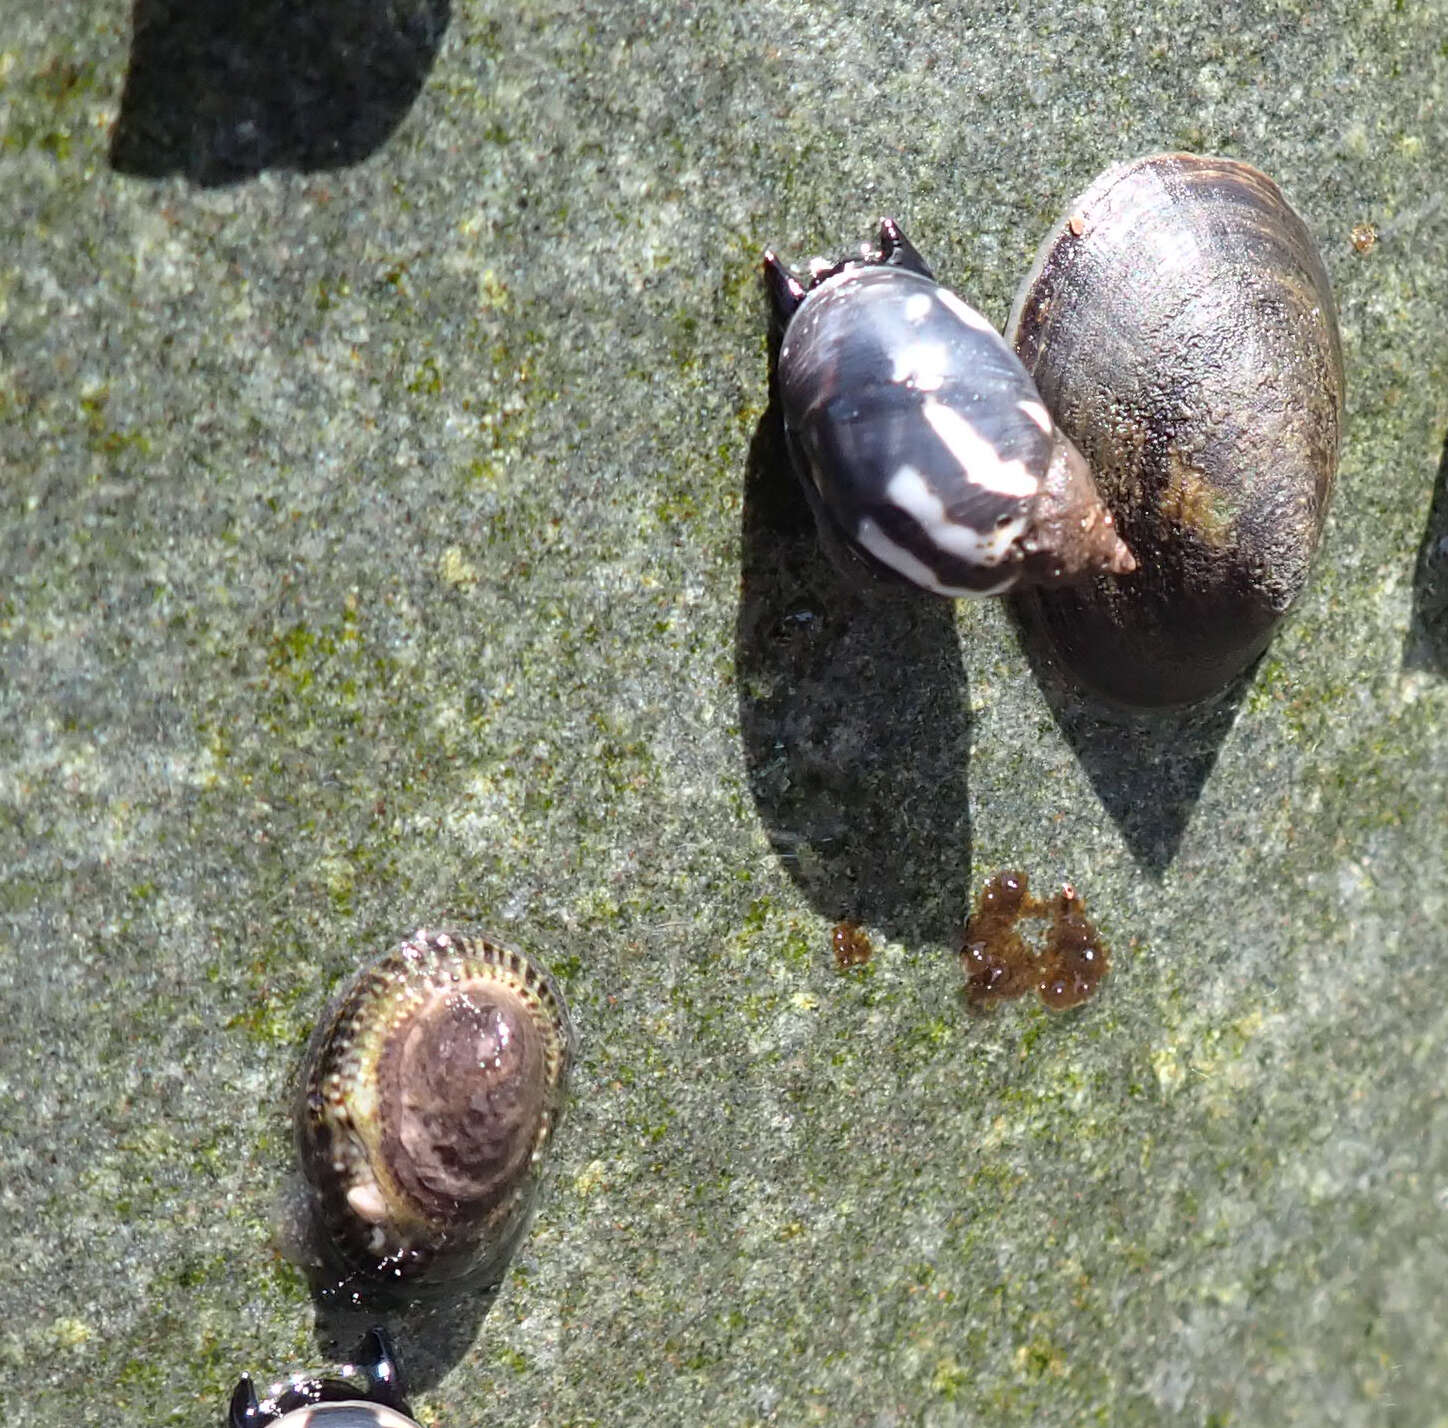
852	946
999	963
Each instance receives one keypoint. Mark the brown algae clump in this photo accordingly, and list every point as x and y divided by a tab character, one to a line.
999	963
852	945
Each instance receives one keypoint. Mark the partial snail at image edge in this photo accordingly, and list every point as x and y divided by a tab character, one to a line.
368	1392
427	1100
1144	463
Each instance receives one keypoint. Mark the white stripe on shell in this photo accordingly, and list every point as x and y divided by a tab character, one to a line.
917	307
909	491
921	366
967	314
1037	412
887	552
978	459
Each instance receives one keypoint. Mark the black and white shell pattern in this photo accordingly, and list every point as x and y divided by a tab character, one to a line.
345	1415
922	436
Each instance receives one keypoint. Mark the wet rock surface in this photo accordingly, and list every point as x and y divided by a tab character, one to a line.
384	544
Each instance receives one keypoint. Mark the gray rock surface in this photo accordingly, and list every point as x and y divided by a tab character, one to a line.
393	535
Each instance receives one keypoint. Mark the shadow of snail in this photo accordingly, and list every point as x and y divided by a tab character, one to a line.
1426	646
1148	479
219	91
929	464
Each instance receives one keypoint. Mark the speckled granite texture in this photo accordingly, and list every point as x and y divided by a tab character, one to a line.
393	533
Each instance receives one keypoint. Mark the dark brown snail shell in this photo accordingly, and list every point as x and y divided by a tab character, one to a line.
1180	326
430	1091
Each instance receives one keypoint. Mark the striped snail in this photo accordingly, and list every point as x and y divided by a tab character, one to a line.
920	441
366	1393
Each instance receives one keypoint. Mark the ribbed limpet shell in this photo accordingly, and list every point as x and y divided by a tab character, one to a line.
430	1091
